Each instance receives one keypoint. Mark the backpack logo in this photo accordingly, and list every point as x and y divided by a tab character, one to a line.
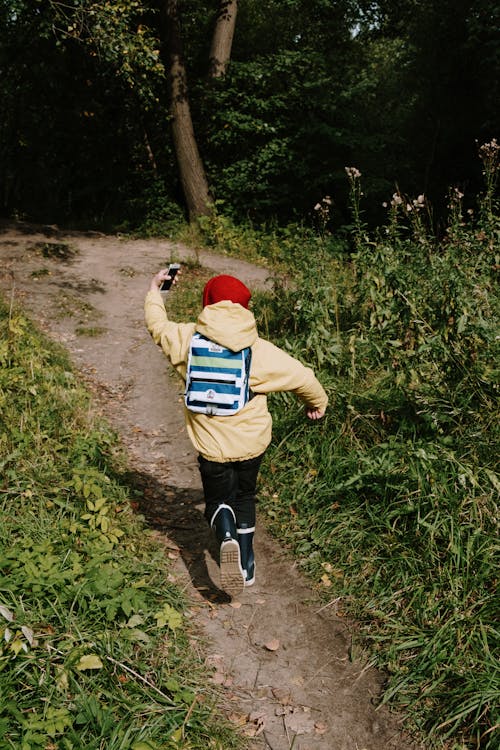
216	378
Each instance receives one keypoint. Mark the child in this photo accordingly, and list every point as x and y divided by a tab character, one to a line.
231	447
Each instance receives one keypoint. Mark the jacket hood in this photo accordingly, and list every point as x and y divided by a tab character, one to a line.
228	324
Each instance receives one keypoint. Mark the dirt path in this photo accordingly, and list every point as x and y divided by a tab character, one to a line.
283	661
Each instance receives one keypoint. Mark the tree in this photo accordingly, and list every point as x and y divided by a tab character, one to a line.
191	171
97	121
222	39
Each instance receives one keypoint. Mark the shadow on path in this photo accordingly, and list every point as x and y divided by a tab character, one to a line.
174	511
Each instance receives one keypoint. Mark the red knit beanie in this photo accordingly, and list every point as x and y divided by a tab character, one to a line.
226	287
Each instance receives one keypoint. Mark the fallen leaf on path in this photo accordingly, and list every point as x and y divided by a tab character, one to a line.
283	696
272	645
300	722
214	659
239	719
235	605
320	727
255	725
283	710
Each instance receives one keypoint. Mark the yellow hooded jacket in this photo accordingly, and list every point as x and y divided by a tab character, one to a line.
247	433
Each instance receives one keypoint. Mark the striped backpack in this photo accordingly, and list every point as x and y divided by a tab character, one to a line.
216	378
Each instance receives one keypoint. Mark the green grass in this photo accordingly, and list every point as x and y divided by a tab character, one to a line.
94	645
391	503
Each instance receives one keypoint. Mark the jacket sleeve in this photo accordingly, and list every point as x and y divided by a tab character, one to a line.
173	337
275	370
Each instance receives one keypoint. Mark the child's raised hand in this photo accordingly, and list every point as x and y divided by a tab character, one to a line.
162	276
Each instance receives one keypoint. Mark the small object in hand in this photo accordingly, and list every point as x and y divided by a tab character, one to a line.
173	269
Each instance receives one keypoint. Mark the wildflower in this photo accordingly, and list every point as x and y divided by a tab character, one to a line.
489	150
396	200
384	204
326	201
353	173
323	209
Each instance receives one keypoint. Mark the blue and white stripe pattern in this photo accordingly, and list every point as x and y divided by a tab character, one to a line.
216	378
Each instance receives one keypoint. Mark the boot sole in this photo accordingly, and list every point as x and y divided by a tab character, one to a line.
232	579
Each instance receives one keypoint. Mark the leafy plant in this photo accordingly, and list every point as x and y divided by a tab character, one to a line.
85	602
391	503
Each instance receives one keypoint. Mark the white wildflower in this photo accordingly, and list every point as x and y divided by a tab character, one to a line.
353	173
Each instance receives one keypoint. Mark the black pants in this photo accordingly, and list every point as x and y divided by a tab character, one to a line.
233	483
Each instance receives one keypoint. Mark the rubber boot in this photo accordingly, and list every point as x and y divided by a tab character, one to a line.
231	573
245	540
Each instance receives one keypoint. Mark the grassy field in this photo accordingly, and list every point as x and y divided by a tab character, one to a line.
391	504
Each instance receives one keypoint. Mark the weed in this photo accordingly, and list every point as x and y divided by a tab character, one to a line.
391	503
37	274
90	331
55	250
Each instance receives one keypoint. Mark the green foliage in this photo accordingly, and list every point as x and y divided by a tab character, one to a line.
261	161
391	503
268	244
134	52
402	91
158	214
93	644
84	66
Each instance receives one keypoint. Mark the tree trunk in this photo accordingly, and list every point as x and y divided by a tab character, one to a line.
222	40
191	170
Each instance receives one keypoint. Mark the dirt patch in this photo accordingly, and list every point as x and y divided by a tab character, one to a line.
284	661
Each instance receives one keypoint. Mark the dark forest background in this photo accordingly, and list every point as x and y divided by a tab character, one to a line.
405	92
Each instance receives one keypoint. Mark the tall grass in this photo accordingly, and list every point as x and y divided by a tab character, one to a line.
392	502
94	646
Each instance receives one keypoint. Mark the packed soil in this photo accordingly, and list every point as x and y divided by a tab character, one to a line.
288	674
